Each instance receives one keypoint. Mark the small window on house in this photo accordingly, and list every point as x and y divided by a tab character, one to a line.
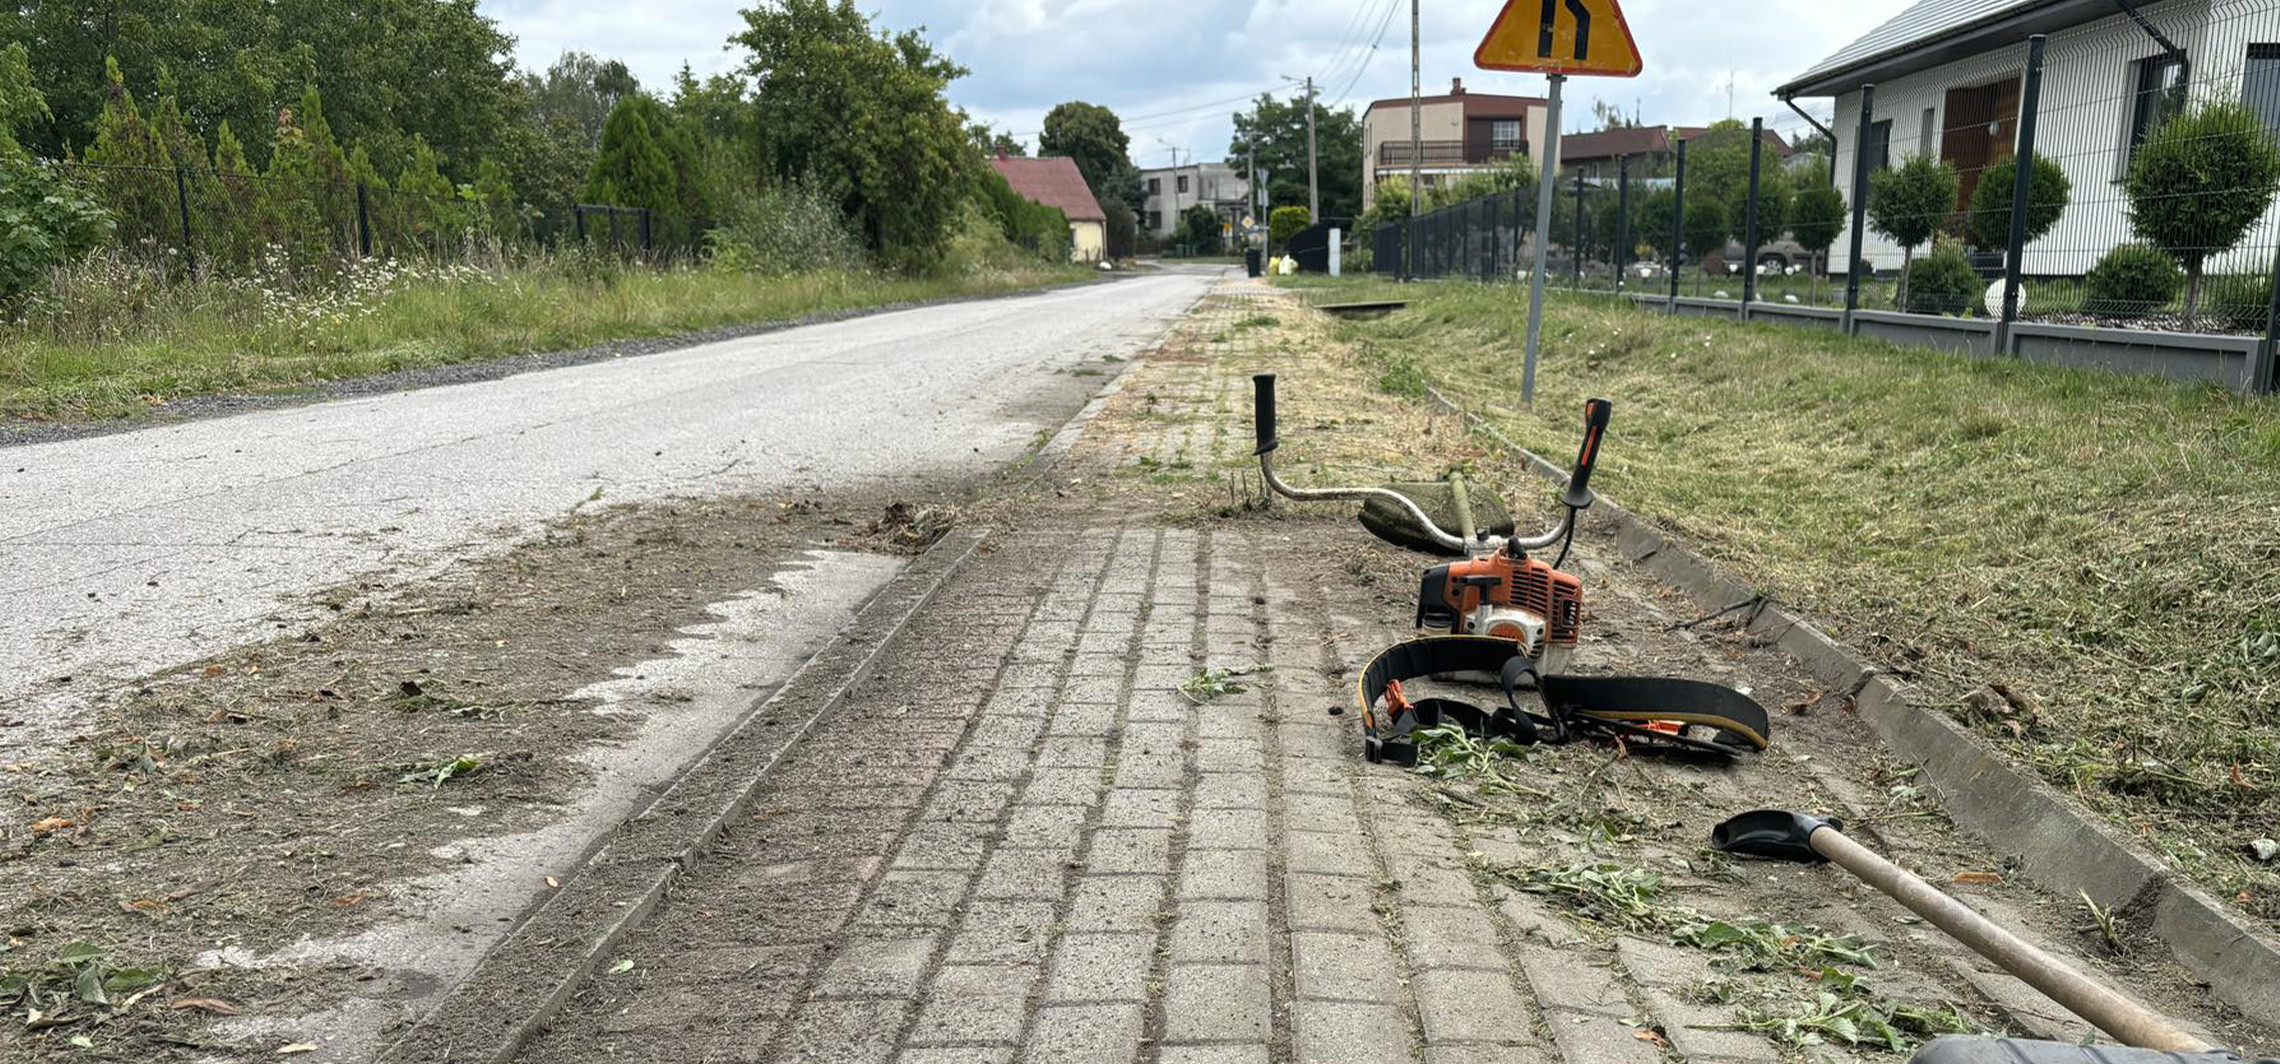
2260	84
1879	146
1504	135
1924	143
1155	186
2160	95
1183	184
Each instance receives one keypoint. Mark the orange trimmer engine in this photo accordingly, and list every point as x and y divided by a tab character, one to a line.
1505	595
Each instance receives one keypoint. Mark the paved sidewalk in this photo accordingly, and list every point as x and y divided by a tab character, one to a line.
1022	842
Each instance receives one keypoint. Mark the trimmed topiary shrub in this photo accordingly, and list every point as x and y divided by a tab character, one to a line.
2048	192
1907	205
2132	281
1287	222
1943	282
2199	182
2236	302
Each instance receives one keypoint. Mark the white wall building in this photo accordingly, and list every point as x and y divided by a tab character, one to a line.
1171	190
1948	80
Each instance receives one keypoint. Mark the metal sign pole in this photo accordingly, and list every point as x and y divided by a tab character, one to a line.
1544	184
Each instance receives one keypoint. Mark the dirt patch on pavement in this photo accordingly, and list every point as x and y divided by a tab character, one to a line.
293	789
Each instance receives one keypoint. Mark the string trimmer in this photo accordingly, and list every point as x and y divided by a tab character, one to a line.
1502	616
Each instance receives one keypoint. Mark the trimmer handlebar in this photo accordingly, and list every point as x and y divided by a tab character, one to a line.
1596	413
1263	411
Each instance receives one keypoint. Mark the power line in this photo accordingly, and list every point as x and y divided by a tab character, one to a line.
1385	24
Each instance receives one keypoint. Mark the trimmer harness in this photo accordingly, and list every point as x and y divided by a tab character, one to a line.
1654	711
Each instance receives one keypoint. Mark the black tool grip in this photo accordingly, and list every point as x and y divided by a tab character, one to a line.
1596	413
1263	411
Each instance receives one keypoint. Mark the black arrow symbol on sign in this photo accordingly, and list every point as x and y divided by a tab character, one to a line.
1544	28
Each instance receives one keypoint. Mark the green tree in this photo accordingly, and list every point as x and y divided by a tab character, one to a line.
1817	215
427	201
311	192
1286	222
136	172
1706	228
1908	204
2048	192
862	114
1200	231
644	163
1273	133
994	141
2199	182
1092	136
44	220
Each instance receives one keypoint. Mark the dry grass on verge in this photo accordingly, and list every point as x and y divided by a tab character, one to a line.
120	340
2107	547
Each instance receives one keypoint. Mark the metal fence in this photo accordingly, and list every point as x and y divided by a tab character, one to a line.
199	218
2026	184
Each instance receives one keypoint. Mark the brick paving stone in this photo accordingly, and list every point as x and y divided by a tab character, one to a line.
1062	786
1426	884
1490	1054
987	1003
1599	1040
1073	751
1232	932
1130	850
1315	776
958	1055
1085	1034
1236	875
1231	790
969	801
943	846
1231	755
1054	827
1470	1006
1092	966
1212	1055
1002	932
1344	1032
1220	829
1329	854
1574	980
880	967
1217	1003
1164	771
1126	808
1313	741
1450	936
1022	874
1217	722
1116	903
1319	812
843	1032
1343	967
1533	922
1084	718
1330	903
914	899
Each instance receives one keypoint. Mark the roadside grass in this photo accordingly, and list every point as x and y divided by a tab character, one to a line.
2083	566
116	342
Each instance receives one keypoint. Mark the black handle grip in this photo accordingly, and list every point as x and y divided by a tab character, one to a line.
1263	411
1596	413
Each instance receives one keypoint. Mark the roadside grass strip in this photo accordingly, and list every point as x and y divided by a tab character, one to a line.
2083	566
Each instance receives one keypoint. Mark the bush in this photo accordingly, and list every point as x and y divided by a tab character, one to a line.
1706	227
2237	302
1287	222
1943	282
785	229
2133	280
1816	216
1908	204
45	222
2199	182
1199	231
2048	193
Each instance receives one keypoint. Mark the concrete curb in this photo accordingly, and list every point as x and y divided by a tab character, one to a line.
522	983
2062	847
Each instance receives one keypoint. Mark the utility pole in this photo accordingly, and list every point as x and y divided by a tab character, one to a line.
1313	178
1416	139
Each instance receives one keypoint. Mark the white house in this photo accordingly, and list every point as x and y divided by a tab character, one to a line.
1948	79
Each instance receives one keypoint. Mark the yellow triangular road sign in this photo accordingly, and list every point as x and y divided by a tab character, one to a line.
1560	37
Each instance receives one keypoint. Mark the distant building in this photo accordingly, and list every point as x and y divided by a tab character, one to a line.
1463	132
1055	182
1171	190
1597	155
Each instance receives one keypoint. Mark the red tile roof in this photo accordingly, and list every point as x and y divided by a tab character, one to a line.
1053	182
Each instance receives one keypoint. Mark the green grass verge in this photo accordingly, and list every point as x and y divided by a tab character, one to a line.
114	346
2105	547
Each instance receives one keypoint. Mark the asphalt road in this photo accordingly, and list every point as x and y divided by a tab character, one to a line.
122	555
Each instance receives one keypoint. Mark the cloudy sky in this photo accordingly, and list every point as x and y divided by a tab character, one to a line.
1176	70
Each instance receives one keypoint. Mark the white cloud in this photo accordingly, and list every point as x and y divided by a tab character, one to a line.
1160	64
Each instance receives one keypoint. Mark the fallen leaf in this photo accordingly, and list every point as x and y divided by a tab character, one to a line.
1985	878
624	965
214	1005
82	1041
1652	1037
53	823
296	1047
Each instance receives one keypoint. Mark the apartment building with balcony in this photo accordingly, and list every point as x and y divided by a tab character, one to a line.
1462	132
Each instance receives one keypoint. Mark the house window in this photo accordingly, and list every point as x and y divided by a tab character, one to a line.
1183	185
2260	84
1155	186
1504	135
2160	95
1924	134
1155	218
1879	146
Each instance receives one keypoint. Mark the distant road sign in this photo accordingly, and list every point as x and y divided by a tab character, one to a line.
1560	37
